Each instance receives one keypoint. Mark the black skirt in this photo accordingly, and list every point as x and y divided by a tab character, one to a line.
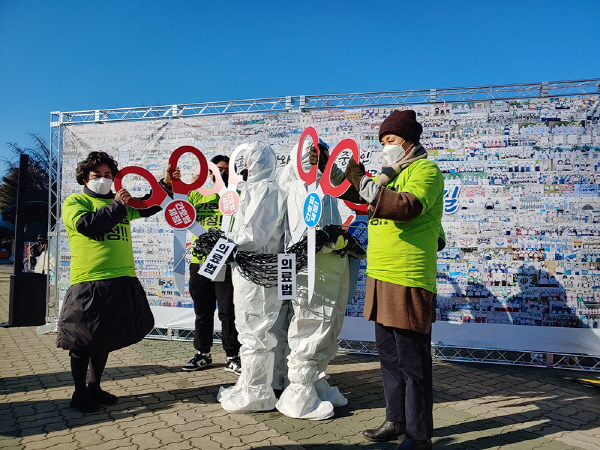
105	315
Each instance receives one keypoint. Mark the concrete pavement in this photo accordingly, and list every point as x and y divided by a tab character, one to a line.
477	406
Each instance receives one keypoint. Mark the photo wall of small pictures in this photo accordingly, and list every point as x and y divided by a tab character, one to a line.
522	205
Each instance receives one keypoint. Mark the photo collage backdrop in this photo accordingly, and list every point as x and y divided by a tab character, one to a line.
522	212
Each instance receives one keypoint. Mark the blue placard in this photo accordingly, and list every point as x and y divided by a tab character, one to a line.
313	208
358	229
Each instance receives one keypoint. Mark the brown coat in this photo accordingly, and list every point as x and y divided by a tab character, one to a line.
389	304
396	306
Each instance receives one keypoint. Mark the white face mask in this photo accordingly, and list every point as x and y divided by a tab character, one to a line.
100	186
392	153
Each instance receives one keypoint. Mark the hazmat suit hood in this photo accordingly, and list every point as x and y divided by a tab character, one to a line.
260	223
290	181
261	162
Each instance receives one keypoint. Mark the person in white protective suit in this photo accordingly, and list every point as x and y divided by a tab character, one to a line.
315	323
260	226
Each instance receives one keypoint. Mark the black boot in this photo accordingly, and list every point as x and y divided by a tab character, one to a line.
388	431
101	396
411	444
82	401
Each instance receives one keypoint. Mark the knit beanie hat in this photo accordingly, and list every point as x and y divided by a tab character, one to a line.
403	124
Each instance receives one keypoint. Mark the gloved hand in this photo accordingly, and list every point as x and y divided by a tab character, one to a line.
322	158
312	155
366	187
354	173
339	244
355	249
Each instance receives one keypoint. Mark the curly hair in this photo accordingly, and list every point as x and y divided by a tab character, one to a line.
93	160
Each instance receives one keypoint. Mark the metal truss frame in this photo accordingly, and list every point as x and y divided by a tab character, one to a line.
297	104
569	361
54	221
300	103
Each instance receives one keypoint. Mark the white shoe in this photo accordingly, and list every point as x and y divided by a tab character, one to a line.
302	402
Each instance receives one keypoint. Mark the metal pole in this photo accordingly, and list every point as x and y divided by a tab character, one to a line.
20	218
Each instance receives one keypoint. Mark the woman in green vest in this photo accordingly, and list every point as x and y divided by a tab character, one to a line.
106	307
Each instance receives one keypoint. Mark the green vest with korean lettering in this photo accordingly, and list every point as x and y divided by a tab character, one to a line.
207	213
405	253
109	255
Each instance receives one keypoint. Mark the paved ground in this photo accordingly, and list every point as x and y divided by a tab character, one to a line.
477	406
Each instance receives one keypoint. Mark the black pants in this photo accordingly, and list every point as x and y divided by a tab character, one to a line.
206	295
406	369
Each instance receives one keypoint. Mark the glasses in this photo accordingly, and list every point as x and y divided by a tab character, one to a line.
223	169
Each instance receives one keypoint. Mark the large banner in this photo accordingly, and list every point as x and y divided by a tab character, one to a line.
522	210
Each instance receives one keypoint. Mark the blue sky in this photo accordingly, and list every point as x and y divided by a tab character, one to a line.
67	55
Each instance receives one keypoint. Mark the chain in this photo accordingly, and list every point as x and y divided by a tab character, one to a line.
261	268
205	242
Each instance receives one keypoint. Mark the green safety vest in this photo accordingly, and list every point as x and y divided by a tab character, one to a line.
404	253
109	255
207	213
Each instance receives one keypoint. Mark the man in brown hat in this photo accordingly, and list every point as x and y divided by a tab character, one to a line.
406	207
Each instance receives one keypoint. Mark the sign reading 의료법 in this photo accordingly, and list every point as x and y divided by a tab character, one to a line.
286	276
216	258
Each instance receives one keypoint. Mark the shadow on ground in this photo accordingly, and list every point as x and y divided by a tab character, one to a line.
536	393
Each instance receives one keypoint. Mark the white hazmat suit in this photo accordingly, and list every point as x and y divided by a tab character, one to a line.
315	323
259	226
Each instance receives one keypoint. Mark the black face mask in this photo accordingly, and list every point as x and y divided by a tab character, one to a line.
225	178
244	174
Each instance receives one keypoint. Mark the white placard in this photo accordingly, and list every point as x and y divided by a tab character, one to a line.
216	258
286	276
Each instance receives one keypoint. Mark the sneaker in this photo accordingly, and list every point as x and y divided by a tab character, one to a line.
199	361
233	364
84	402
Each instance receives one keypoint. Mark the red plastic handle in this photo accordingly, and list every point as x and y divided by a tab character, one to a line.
158	193
326	186
311	176
360	208
179	187
218	185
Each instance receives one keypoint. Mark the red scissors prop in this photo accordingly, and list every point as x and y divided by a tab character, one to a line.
317	189
228	197
179	213
323	186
